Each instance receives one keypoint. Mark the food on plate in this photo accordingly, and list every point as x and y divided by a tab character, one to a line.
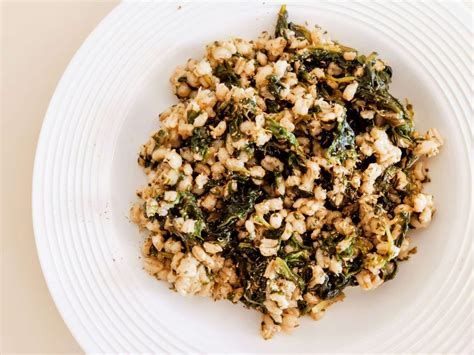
286	172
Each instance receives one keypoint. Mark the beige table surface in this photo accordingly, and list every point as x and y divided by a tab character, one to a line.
38	39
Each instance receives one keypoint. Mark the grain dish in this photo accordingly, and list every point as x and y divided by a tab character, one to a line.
285	173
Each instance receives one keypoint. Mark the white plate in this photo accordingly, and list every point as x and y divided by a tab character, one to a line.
86	173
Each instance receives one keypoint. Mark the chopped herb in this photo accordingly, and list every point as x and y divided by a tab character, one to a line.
200	141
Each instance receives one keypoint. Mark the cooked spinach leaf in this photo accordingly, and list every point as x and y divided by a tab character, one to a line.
275	86
342	146
227	75
282	22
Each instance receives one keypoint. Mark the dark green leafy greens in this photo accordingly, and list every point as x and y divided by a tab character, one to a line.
374	89
200	141
237	206
284	270
282	22
342	146
283	25
275	86
405	223
186	206
251	266
281	133
227	75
